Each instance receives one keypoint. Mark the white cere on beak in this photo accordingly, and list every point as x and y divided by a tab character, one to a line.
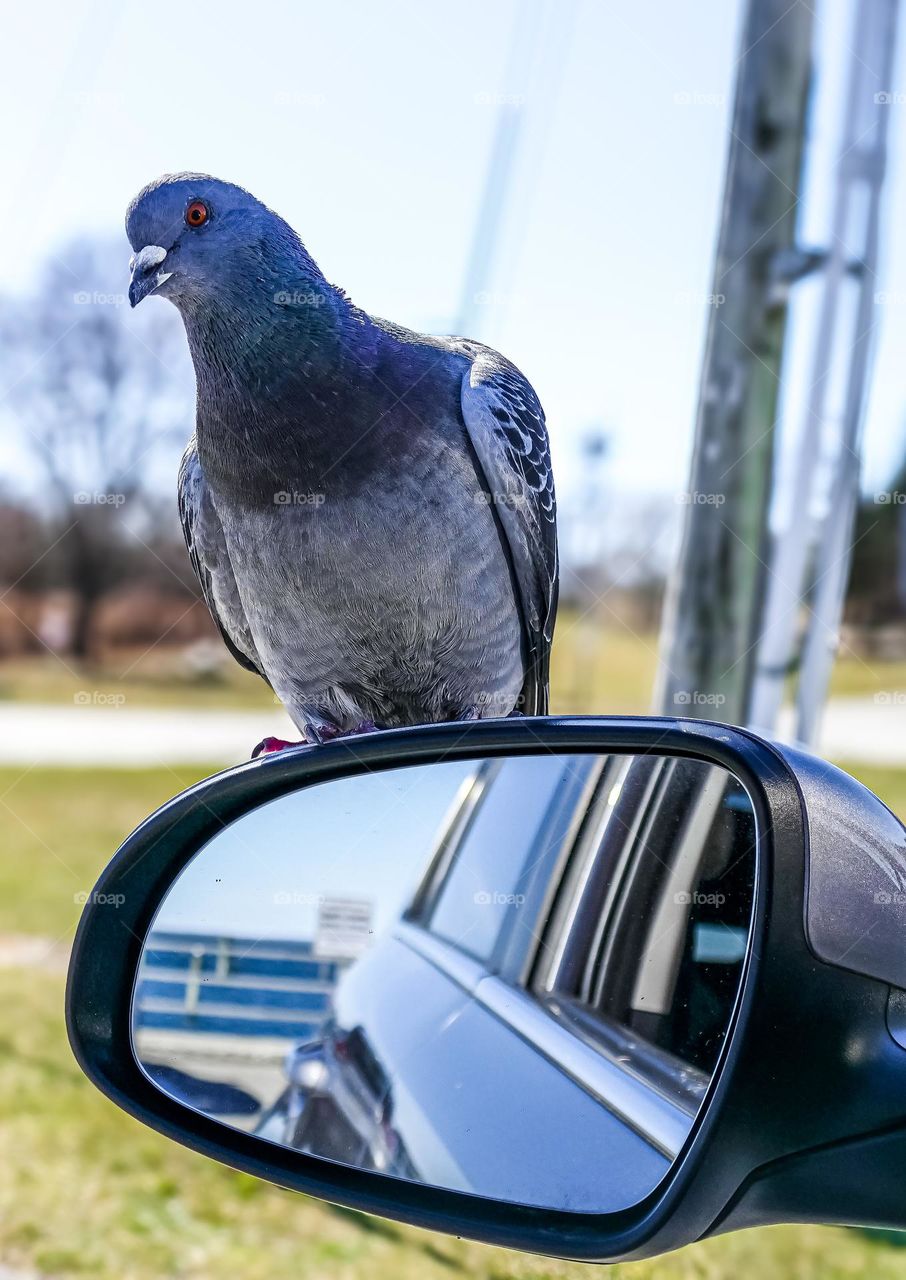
151	256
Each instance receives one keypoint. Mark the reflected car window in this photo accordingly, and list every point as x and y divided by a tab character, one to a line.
491	864
692	1014
676	869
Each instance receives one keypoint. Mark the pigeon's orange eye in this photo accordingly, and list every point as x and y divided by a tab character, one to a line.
197	213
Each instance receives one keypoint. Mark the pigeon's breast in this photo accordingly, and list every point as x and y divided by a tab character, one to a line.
393	596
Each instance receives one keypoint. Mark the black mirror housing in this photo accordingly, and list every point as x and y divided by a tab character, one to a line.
811	1080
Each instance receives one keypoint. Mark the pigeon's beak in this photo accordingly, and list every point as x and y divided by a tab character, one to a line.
146	273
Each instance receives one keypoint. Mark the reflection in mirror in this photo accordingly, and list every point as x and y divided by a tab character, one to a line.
507	977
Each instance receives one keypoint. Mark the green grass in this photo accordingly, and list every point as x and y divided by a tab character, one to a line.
61	827
887	782
857	677
606	667
153	680
601	669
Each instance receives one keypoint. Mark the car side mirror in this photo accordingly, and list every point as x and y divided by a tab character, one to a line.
587	987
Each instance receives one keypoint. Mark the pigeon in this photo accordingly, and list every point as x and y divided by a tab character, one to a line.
370	511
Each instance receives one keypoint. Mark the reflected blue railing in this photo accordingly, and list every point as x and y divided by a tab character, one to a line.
205	983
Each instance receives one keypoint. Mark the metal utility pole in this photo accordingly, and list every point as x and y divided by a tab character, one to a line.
813	549
714	603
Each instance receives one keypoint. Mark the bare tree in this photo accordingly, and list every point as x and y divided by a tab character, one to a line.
99	396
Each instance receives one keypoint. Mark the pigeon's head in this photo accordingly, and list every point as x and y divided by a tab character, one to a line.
195	237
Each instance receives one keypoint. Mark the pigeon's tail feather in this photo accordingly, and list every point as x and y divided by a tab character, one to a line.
508	434
534	699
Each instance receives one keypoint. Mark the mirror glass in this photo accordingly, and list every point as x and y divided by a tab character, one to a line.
508	977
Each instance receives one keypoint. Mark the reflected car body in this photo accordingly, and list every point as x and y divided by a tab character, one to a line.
338	1102
215	1097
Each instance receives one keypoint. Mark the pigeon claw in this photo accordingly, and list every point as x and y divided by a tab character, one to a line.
328	733
367	726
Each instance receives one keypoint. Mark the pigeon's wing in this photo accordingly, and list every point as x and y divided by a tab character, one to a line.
211	561
505	422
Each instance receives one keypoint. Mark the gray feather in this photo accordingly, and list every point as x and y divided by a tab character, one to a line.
211	561
506	425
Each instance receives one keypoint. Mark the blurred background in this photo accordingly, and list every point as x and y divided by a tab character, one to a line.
552	179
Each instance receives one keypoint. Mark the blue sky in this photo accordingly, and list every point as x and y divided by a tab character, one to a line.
369	125
368	837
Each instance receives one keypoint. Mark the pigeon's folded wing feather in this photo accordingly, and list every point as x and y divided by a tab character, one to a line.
505	422
211	561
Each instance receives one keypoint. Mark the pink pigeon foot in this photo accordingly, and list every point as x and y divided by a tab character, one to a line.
268	746
323	733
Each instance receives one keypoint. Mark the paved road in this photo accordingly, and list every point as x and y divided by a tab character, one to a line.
858	729
133	736
866	730
30	951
